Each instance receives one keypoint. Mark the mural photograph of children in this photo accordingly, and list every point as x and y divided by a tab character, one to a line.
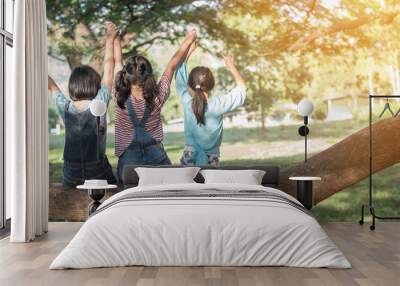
214	84
196	142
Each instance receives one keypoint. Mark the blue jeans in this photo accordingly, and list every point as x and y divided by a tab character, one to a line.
150	155
189	157
76	173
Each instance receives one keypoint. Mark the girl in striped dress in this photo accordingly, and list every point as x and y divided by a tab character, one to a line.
139	98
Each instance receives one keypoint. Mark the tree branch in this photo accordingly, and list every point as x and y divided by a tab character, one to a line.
145	43
339	26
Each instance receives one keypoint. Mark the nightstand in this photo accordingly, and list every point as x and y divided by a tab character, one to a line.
305	190
96	193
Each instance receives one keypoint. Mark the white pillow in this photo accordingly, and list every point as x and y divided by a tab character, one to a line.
248	177
166	176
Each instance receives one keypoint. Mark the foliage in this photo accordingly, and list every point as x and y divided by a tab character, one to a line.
287	49
53	117
75	26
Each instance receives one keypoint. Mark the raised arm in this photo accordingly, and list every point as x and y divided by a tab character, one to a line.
235	98
180	54
117	55
52	86
189	52
108	72
230	64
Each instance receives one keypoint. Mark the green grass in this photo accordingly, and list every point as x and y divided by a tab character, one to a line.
343	206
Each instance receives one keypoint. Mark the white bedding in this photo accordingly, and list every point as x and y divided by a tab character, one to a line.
190	231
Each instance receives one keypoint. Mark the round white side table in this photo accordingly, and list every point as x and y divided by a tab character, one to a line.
96	193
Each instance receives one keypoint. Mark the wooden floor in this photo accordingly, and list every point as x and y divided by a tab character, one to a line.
375	257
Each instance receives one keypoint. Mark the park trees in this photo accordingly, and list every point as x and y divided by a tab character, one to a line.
76	34
270	39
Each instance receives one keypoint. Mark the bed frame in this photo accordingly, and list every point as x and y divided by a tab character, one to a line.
271	178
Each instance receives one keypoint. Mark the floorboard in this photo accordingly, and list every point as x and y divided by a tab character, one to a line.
375	257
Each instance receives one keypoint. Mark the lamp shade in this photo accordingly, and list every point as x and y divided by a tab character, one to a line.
98	108
305	107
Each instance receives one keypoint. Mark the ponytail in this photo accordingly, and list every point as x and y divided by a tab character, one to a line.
199	105
150	90
122	88
200	81
137	71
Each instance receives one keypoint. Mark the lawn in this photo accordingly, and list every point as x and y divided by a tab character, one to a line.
283	147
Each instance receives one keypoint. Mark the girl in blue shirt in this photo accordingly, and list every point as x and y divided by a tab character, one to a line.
203	113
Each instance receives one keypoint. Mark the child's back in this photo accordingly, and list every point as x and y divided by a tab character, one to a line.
85	142
203	115
85	138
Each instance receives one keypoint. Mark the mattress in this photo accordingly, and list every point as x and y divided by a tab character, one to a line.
201	225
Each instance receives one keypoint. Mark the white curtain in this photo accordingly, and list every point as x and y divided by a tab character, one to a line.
26	124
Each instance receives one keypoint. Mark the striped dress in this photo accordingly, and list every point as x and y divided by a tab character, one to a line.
124	133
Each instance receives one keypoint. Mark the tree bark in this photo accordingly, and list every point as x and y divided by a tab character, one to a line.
262	107
73	60
347	162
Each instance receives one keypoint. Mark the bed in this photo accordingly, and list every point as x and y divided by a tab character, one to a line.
197	224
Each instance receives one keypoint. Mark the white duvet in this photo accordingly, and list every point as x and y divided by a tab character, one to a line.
200	231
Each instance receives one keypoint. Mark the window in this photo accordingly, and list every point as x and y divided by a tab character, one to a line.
9	15
6	44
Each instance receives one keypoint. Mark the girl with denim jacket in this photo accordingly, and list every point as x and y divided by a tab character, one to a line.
85	143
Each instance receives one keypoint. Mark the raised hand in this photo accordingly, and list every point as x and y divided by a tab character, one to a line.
192	48
180	55
51	85
191	35
112	30
230	64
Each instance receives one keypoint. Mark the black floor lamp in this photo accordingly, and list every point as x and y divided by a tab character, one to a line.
98	108
305	183
305	108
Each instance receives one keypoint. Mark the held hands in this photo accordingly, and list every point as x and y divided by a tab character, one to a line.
112	31
191	36
191	49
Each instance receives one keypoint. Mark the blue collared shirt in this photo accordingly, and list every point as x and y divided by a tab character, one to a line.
207	138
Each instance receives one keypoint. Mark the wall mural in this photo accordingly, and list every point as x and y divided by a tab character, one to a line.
211	83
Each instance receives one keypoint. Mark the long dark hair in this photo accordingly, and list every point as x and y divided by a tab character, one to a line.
201	81
136	71
84	83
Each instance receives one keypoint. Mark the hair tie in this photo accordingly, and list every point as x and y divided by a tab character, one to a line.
198	87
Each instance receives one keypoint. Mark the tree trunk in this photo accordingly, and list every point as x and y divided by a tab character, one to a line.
73	60
83	38
347	163
262	105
